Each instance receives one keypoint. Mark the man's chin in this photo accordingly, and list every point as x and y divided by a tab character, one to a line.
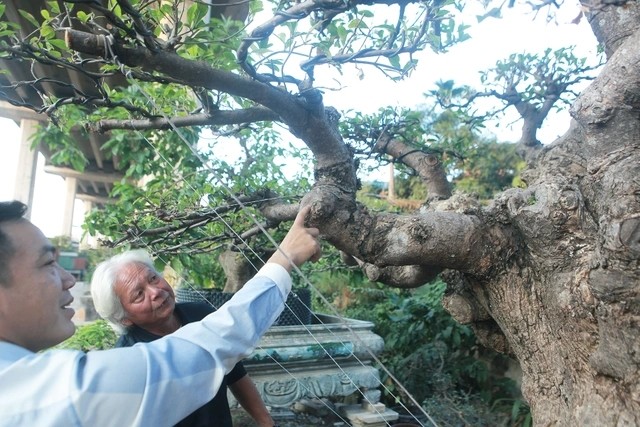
69	330
63	334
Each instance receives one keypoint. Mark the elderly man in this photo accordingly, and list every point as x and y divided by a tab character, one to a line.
152	384
129	293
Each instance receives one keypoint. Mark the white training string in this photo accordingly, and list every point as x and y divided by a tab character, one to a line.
270	238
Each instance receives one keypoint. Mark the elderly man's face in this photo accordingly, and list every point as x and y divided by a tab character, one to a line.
147	298
34	305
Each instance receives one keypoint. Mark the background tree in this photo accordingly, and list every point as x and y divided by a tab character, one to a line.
532	84
472	162
547	273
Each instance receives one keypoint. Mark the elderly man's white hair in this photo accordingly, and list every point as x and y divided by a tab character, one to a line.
103	281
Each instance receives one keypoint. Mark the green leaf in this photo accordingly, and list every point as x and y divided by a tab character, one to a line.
60	44
395	61
47	32
357	23
83	17
54	6
496	12
196	14
29	17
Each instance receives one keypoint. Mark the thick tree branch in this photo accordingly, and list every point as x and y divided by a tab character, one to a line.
305	115
188	72
407	276
613	98
611	23
279	212
434	239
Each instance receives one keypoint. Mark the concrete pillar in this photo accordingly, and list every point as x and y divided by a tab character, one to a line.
87	241
68	206
27	165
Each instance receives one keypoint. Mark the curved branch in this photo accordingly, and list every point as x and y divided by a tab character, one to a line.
139	26
179	222
301	10
404	277
298	11
188	72
279	212
353	57
305	116
613	96
428	166
609	22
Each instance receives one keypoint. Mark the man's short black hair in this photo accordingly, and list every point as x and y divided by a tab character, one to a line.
9	211
12	210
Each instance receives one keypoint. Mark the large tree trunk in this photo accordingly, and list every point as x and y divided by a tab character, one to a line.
568	305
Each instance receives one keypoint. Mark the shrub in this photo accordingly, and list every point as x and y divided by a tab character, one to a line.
96	335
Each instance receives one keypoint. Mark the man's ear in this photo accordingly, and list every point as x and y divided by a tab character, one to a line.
126	322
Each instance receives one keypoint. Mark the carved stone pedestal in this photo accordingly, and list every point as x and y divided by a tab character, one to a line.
329	358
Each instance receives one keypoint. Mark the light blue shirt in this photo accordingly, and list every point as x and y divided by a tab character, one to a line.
151	384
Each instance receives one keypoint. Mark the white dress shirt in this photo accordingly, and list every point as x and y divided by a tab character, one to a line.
151	384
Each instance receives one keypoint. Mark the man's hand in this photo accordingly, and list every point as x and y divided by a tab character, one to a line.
299	245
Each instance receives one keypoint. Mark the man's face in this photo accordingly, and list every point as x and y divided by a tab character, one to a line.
34	306
147	298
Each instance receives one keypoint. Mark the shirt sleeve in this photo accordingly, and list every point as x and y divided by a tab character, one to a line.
157	383
237	373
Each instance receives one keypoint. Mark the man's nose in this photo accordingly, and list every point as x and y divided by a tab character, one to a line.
155	292
68	280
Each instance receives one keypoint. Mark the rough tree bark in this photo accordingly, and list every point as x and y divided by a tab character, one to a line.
566	305
548	274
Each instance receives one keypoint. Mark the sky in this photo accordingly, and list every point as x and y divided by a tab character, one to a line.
494	40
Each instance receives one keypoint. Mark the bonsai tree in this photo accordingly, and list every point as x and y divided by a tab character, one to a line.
547	273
